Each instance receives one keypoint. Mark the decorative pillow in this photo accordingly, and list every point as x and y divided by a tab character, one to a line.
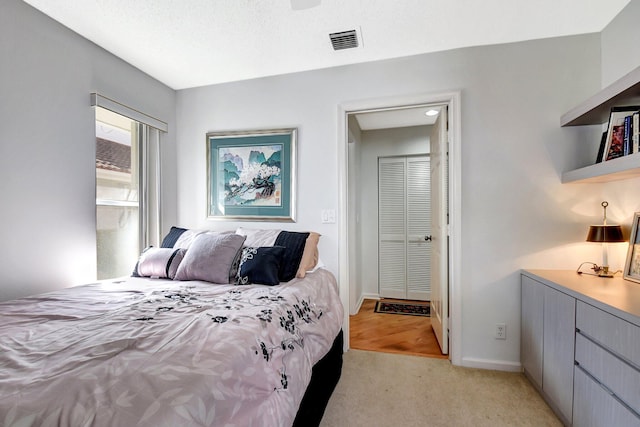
172	236
260	265
258	237
309	255
159	262
210	257
235	265
294	244
186	239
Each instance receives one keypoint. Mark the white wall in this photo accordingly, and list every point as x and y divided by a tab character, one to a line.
516	213
621	44
47	147
620	54
380	143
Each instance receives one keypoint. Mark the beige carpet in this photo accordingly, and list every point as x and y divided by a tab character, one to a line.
379	389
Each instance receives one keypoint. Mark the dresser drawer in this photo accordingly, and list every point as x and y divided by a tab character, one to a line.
622	379
617	335
593	406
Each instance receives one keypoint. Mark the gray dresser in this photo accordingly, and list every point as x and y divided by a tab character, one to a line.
580	345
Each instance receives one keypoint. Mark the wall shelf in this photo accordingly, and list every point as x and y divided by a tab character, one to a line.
613	170
596	110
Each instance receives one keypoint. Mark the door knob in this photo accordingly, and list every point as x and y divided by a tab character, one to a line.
427	238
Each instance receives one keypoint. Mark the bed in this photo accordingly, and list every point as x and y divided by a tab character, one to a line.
146	351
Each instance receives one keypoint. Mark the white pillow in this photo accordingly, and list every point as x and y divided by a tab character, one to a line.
256	238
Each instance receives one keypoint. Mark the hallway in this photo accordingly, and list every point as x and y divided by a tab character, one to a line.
392	333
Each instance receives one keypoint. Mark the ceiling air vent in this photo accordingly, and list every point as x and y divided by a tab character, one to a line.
344	40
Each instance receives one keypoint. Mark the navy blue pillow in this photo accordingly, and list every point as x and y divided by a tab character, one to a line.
172	237
294	247
260	265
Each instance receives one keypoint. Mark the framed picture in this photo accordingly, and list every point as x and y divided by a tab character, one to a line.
614	147
251	175
632	266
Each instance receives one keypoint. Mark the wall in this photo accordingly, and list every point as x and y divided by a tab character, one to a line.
621	44
375	144
620	53
47	147
516	213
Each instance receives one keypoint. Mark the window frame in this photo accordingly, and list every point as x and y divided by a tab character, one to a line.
148	140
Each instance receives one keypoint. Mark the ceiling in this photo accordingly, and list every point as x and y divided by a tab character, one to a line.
397	118
192	43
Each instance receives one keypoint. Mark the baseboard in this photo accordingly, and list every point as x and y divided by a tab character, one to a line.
494	365
357	307
361	300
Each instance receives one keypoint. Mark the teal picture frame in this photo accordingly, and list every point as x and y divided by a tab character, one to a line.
251	175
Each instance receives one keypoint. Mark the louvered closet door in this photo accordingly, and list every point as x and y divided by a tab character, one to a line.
418	227
392	275
404	222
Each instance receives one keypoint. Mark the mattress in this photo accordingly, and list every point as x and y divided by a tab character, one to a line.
150	352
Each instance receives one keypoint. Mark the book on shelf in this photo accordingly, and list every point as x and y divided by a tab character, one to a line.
635	132
619	140
603	142
626	140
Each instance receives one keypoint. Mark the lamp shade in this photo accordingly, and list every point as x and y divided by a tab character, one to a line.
605	234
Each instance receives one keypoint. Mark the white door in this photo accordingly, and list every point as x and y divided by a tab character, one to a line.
392	231
418	228
404	223
439	233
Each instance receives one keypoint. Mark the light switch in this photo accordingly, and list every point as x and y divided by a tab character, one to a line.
328	216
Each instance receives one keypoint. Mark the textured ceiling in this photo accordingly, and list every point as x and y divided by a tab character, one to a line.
193	43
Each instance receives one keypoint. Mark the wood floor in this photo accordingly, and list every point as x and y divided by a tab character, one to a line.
392	333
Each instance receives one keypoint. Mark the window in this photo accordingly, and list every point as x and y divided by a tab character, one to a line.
127	189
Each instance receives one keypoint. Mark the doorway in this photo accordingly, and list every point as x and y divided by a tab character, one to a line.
351	281
394	242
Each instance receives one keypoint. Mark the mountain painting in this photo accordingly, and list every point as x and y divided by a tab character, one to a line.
252	175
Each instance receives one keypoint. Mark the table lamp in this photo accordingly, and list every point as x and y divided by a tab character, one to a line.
604	234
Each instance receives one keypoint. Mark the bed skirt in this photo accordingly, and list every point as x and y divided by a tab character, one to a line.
324	378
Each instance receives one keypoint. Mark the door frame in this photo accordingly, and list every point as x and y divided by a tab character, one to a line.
452	100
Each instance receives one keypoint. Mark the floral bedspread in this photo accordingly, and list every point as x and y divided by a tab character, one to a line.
148	352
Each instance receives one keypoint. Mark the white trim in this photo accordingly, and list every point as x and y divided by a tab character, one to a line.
455	228
117	203
98	100
361	301
494	365
452	99
343	228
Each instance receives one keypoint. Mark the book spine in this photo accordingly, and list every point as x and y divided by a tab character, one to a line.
635	130
626	146
603	143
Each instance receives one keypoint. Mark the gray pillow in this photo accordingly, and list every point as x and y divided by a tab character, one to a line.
210	258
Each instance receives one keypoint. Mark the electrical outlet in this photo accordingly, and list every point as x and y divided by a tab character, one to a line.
501	331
